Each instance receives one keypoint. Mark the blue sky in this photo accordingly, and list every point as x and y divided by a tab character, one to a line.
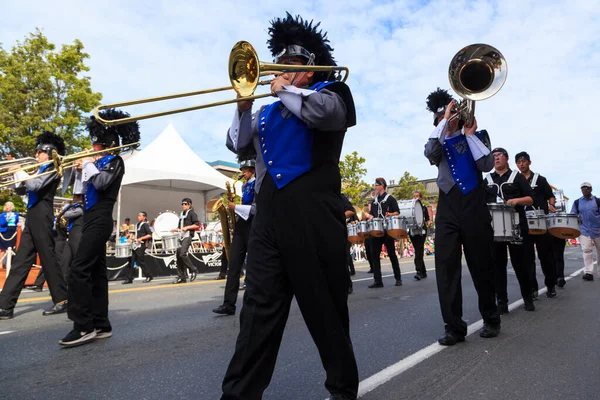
397	52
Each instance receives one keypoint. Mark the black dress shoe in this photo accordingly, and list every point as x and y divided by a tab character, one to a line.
529	306
489	331
376	285
588	277
148	279
417	277
534	295
58	308
503	307
6	314
34	288
127	282
450	338
561	282
193	275
398	282
220	277
224	310
179	280
551	292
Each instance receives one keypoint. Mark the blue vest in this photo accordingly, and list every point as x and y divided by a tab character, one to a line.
461	163
34	197
91	194
70	225
286	142
248	193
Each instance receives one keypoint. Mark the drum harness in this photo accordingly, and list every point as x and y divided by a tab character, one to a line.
182	217
499	192
136	245
376	201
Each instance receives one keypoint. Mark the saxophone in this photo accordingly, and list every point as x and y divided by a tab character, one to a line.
226	216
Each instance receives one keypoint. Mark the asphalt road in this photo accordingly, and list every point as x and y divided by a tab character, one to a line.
168	344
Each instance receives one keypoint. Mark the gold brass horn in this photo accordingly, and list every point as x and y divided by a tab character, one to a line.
477	72
245	70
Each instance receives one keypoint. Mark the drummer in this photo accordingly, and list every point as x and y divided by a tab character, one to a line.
188	223
350	216
510	187
384	205
139	243
543	199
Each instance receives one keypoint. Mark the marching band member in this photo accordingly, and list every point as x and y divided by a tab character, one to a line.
88	282
417	238
140	242
384	205
239	242
37	235
350	216
188	222
462	217
298	140
543	199
512	188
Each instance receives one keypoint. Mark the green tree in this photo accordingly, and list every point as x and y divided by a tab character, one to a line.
353	172
407	186
9	195
43	89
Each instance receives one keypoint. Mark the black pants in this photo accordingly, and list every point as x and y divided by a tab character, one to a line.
418	242
543	244
60	243
35	239
558	249
88	282
350	261
183	261
368	251
376	243
464	220
224	263
520	263
237	252
277	271
137	258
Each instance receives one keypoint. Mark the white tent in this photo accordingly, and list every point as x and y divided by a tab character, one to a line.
164	172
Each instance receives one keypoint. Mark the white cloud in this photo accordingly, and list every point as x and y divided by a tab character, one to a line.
397	52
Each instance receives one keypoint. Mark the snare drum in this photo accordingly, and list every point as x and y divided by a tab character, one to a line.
505	222
412	211
353	233
170	241
363	229
123	250
537	222
376	227
397	226
564	225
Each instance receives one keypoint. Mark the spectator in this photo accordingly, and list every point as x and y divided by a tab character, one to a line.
588	208
9	220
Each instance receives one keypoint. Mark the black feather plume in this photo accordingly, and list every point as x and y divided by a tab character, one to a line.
51	138
129	133
438	99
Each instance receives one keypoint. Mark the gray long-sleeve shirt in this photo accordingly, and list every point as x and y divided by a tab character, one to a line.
484	160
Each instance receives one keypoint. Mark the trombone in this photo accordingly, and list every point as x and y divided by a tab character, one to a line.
245	71
60	164
477	72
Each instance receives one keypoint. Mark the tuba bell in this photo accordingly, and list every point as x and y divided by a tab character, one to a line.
477	72
226	216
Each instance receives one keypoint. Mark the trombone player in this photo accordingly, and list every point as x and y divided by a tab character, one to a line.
298	140
37	235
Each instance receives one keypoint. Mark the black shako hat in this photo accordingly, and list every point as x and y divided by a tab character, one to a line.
291	36
524	155
48	141
109	135
437	102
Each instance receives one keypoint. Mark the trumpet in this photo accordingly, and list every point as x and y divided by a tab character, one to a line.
60	164
477	72
7	165
245	71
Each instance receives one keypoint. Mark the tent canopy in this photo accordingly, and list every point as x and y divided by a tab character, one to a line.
160	175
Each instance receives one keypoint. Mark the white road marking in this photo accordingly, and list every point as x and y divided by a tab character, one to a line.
6	332
385	375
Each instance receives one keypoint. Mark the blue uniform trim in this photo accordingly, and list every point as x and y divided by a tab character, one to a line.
461	163
248	193
91	194
70	225
286	142
33	197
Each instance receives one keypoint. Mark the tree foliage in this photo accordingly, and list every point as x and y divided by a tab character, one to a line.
407	186
43	89
353	171
9	195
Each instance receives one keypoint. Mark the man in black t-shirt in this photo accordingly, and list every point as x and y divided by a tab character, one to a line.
543	199
513	189
384	205
188	223
417	238
142	235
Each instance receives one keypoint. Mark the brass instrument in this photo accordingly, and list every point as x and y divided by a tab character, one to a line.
8	164
245	71
477	72
60	164
226	216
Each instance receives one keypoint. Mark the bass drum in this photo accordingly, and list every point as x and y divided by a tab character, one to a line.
166	221
412	211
